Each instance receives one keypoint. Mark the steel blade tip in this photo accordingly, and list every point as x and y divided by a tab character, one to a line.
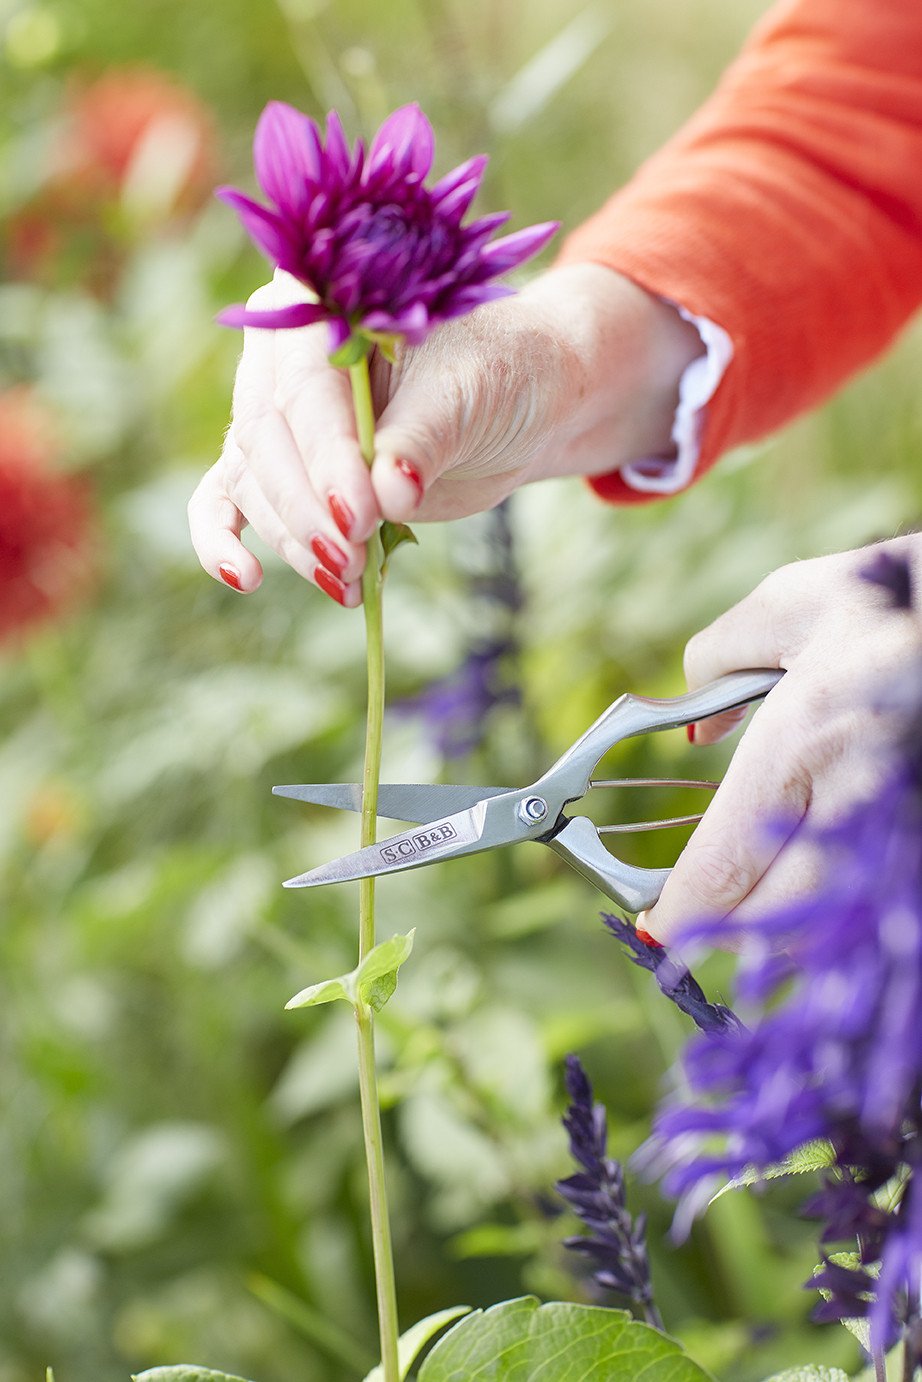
314	878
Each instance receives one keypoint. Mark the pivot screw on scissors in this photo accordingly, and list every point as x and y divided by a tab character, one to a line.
532	809
453	821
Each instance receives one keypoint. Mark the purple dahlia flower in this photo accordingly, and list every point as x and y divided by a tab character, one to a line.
382	253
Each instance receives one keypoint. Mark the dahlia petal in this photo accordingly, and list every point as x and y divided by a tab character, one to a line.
287	157
338	158
512	250
404	146
347	291
466	299
413	323
481	229
339	332
358	161
456	204
472	170
265	228
296	314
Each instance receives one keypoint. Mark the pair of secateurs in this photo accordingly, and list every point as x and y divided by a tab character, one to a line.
453	821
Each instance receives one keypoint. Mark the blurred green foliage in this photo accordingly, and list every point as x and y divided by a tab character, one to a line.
181	1164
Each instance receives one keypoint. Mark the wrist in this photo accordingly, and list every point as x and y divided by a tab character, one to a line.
622	353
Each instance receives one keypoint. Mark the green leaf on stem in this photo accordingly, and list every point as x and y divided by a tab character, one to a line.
415	1339
184	1372
370	983
528	1340
351	351
394	535
812	1156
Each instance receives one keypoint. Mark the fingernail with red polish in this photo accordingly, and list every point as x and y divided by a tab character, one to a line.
343	516
690	731
409	472
329	554
647	939
330	585
230	576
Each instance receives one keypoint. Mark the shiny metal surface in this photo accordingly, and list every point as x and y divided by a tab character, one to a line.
398	801
467	820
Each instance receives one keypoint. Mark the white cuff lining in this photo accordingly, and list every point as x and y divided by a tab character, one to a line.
697	386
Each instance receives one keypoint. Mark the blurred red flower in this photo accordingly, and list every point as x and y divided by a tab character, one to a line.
132	117
46	561
136	148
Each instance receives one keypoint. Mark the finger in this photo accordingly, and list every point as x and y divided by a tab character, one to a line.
411	443
263	444
262	517
747	635
315	399
796	872
717	727
764	795
215	524
767	628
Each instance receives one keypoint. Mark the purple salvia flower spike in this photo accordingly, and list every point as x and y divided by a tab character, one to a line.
617	1245
287	157
675	981
835	1052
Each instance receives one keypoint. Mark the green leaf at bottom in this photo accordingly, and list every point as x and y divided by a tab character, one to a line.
522	1341
413	1340
809	1373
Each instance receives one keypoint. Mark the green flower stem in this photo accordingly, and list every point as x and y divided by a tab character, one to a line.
372	584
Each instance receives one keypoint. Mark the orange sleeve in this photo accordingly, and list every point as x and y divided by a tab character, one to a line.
788	210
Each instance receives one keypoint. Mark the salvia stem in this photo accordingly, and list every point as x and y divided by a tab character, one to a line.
372	582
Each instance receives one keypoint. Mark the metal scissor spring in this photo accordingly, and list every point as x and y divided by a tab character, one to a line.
633	826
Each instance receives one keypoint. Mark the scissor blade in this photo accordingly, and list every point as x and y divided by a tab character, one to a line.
443	839
397	801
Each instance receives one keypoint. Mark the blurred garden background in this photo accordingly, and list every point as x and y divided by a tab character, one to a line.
181	1175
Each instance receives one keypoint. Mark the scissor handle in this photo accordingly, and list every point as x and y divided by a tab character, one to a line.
630	715
635	889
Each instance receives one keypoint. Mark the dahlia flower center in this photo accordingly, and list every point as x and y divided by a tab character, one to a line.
387	228
411	232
